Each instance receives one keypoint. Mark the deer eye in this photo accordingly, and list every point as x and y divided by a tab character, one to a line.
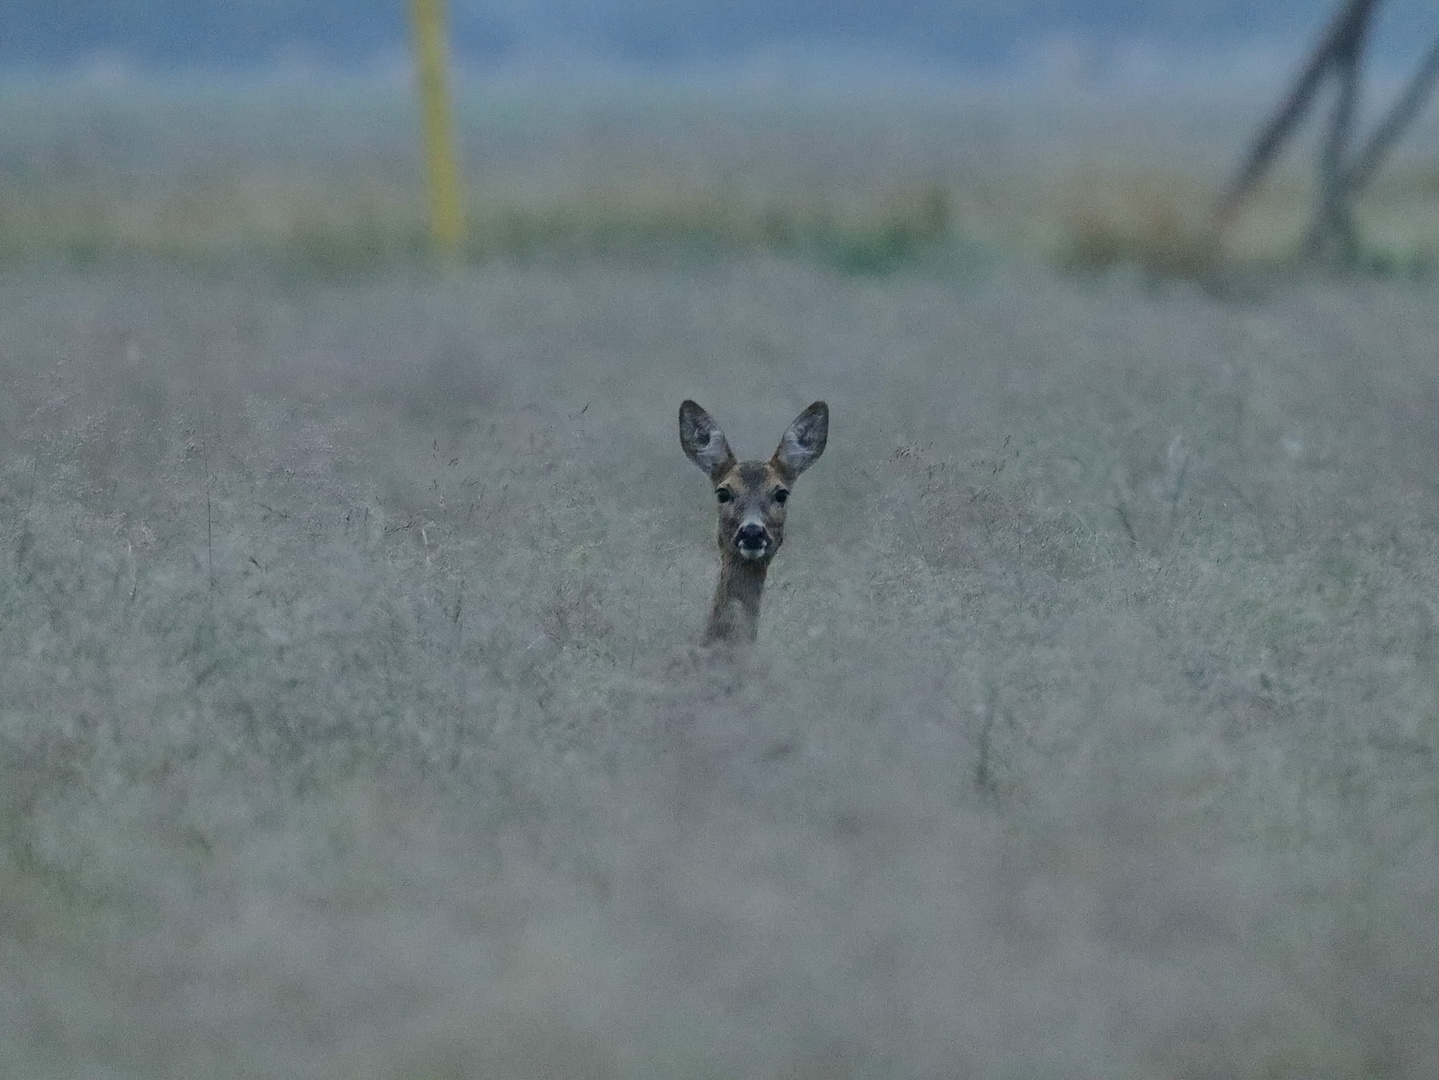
780	496
724	495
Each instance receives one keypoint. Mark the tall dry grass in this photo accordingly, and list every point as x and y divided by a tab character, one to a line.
349	726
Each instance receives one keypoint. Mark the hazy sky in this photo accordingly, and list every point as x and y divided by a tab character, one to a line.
168	35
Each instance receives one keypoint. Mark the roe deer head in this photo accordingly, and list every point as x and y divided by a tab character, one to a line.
752	498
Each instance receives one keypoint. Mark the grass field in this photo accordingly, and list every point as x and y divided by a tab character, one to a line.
349	726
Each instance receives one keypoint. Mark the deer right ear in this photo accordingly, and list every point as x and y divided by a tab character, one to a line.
804	441
703	441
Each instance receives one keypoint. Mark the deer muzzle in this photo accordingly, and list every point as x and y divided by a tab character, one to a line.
752	540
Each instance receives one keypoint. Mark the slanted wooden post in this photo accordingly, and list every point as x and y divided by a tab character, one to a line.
1386	135
1347	22
1333	236
1276	133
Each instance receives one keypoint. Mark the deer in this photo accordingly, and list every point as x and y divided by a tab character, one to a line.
752	497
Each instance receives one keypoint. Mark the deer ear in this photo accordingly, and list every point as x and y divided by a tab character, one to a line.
703	440
803	442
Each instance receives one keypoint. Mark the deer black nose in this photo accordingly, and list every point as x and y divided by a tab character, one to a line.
751	536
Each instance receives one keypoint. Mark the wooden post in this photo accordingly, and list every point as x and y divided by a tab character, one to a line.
447	222
1333	237
1348	22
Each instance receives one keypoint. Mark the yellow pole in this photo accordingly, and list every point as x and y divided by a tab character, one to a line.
447	220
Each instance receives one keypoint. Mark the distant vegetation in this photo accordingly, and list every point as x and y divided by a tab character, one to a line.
328	182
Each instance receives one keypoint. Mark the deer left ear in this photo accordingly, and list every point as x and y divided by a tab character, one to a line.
703	441
803	442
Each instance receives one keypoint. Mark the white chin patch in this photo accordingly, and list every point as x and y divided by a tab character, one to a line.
754	553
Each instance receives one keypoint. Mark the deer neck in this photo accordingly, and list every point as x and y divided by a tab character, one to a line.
734	615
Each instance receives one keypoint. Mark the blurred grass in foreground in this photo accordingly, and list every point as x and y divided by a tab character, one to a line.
328	182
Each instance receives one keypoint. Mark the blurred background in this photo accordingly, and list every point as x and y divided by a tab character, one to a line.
870	136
